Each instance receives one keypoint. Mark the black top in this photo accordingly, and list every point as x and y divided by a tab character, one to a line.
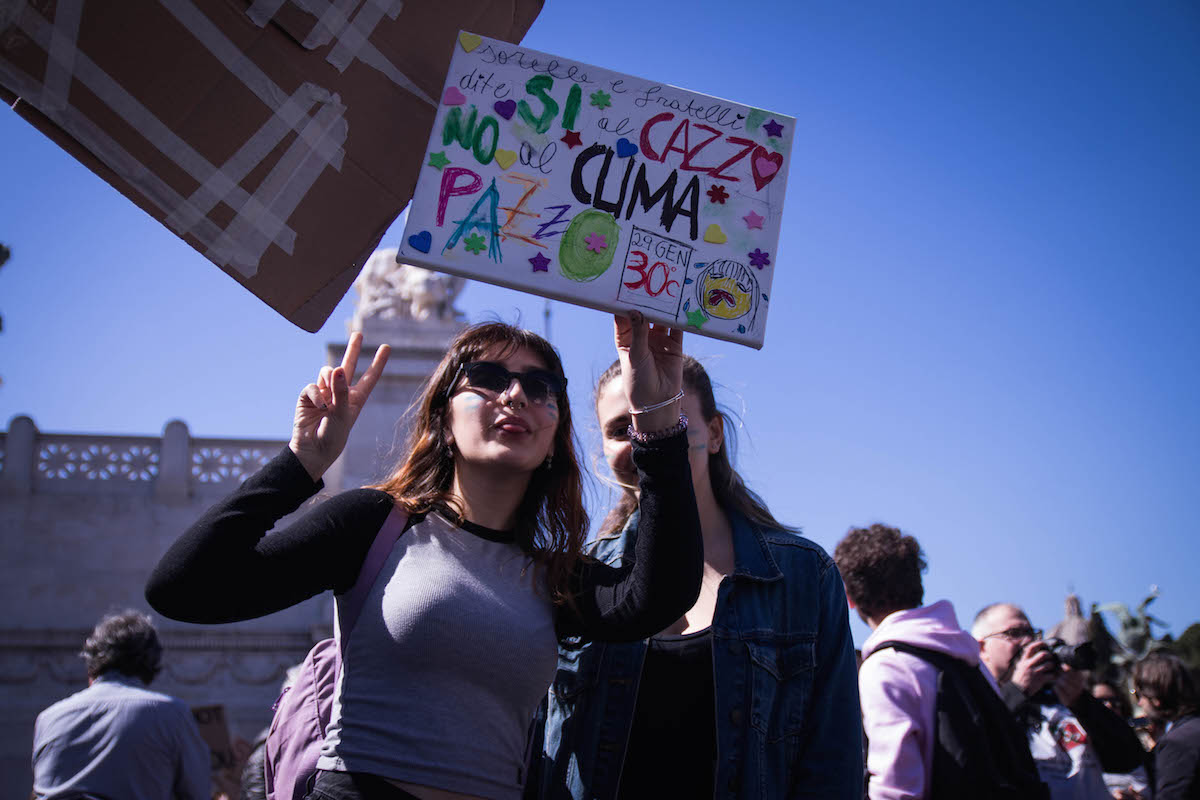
672	750
225	568
1177	761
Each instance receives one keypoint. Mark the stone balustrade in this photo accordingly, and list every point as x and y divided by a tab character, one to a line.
174	466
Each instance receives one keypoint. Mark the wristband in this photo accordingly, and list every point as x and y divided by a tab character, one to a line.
654	436
656	406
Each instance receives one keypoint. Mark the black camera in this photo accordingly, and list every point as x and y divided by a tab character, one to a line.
1076	656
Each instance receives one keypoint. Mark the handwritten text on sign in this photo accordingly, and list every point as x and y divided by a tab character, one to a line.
602	189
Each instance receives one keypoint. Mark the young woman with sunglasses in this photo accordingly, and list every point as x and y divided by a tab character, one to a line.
752	692
456	642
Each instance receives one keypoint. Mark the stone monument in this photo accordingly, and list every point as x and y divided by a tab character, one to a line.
412	309
85	517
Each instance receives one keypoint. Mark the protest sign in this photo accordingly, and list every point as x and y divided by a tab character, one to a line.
279	138
225	762
579	183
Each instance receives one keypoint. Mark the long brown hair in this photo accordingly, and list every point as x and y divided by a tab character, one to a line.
551	523
730	489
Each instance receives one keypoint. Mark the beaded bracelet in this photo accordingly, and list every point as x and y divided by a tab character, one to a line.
654	436
656	406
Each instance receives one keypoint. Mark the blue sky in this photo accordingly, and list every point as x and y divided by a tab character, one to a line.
984	326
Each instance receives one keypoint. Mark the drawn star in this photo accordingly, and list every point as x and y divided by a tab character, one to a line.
474	243
572	139
601	99
540	263
754	220
717	194
773	128
438	159
696	318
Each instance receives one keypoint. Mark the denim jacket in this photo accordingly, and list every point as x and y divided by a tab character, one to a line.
787	720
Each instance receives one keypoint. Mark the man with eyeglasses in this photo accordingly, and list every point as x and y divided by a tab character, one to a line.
1074	738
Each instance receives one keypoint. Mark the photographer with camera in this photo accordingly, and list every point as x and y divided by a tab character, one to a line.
1074	738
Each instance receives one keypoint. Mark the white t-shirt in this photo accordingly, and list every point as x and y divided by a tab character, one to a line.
1065	760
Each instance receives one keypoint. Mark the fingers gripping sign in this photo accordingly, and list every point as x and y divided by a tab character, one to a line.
326	410
651	358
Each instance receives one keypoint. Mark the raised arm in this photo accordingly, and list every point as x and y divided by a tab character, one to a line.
641	598
326	410
225	568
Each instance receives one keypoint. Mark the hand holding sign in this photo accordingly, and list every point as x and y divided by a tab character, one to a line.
651	359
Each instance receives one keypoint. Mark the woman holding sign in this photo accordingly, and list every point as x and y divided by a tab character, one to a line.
455	643
765	651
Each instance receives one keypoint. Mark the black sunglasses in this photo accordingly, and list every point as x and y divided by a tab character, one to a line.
538	384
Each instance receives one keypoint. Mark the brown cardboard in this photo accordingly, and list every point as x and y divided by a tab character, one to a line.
225	764
162	98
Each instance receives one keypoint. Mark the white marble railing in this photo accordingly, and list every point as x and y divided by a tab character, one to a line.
173	465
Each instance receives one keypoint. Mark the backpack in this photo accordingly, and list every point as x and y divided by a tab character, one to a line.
303	710
980	750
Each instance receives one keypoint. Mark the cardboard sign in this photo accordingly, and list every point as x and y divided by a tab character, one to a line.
277	137
601	189
225	764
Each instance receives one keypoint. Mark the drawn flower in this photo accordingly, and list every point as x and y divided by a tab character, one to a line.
601	99
595	242
474	243
759	258
717	194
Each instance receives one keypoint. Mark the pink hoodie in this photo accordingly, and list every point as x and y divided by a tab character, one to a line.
898	693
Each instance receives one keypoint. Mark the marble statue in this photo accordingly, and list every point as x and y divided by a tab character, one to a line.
392	291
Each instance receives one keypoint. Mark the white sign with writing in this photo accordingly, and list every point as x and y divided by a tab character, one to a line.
601	189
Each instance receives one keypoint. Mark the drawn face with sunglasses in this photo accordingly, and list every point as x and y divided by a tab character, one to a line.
503	411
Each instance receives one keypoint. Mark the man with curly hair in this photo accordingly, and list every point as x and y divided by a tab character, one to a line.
116	738
909	649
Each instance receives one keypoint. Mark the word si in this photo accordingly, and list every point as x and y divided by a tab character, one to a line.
470	130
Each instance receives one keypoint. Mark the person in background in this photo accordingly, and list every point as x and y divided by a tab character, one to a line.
899	690
1133	785
456	641
1074	739
116	738
751	692
882	569
1166	690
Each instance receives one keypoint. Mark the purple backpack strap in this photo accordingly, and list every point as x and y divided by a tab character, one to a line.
350	605
303	711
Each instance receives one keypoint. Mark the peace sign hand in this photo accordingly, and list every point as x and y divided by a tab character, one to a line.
651	359
326	410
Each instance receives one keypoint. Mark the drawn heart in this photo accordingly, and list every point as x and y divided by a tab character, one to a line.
505	158
626	148
714	235
765	166
469	41
453	97
506	108
421	241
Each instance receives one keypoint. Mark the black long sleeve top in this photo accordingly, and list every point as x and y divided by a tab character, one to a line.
226	567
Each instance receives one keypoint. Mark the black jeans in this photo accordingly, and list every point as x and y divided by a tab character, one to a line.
355	786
